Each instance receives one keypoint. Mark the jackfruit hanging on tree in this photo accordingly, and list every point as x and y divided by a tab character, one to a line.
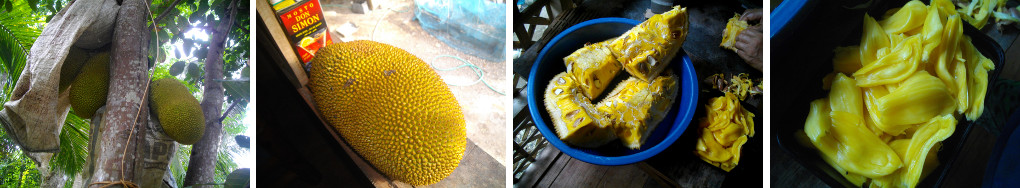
177	110
635	106
912	75
391	107
89	89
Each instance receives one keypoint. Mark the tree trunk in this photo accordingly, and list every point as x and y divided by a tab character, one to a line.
202	164
123	124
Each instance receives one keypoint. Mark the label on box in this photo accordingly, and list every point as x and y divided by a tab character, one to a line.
305	26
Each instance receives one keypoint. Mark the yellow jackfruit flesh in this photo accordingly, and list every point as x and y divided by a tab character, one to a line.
873	39
908	18
391	107
818	134
648	48
733	28
926	136
899	64
177	110
575	119
914	73
593	66
847	59
918	99
864	152
724	130
89	89
636	107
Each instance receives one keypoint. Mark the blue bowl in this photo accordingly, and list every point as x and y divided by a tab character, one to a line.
550	62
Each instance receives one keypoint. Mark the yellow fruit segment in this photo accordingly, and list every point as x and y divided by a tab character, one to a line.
593	66
636	107
895	97
391	107
647	49
724	131
575	119
733	28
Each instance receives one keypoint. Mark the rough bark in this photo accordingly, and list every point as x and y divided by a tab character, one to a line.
202	164
128	77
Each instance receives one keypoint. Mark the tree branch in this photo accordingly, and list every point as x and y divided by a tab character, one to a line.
225	113
164	13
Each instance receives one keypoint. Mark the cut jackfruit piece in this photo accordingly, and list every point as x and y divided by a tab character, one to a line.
908	18
977	78
818	122
862	152
648	48
636	107
818	134
593	67
931	33
873	39
575	119
926	136
899	64
845	96
918	99
733	28
847	59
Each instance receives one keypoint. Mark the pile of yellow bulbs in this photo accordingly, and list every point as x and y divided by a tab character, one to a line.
895	97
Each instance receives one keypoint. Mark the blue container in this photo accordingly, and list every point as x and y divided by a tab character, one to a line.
550	62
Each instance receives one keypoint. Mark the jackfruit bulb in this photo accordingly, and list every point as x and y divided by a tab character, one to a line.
178	112
391	107
89	88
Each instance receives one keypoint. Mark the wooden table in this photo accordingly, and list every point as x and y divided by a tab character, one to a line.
676	165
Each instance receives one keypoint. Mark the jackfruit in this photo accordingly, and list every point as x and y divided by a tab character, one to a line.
89	89
918	99
76	57
724	131
733	28
636	107
575	119
900	63
909	17
391	107
593	67
177	110
648	48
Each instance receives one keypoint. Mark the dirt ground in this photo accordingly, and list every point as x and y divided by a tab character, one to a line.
393	23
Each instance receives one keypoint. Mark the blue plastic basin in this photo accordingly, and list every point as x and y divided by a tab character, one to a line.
550	62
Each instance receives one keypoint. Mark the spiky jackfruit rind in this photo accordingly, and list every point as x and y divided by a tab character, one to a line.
177	110
89	89
391	107
76	57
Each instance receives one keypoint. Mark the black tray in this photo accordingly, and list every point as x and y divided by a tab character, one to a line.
802	56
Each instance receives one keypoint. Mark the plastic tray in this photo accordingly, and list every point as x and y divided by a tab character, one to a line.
800	63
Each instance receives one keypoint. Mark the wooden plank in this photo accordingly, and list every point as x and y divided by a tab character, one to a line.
1012	68
577	173
538	169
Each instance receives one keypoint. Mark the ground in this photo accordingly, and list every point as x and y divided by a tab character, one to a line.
392	22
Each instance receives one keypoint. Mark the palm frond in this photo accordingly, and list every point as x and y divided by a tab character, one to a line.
74	142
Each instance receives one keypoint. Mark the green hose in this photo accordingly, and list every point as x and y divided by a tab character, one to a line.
465	63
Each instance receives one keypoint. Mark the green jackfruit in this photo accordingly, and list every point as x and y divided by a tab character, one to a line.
72	65
89	88
178	112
